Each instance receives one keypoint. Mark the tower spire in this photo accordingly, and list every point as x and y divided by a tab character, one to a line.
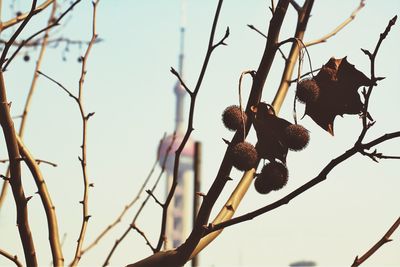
179	90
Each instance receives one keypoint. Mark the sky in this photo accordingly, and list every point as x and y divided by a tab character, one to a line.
130	89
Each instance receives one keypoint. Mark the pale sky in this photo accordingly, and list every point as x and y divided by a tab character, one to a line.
130	88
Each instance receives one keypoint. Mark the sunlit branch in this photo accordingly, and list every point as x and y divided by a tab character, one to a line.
385	239
11	257
338	28
58	259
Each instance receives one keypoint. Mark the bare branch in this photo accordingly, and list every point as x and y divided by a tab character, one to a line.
295	5
49	26
173	71
210	49
321	177
128	206
122	237
58	259
11	257
60	85
134	226
338	28
22	17
38	161
154	197
83	157
385	239
262	34
15	181
16	33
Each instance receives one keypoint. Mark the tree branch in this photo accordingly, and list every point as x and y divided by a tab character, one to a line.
210	49
128	206
122	237
55	245
11	257
83	158
385	239
338	28
320	177
15	179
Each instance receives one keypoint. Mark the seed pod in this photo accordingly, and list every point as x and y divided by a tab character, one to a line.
307	91
273	176
243	155
232	118
296	137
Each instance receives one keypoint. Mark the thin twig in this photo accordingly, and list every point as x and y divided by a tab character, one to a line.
128	229
128	206
338	28
54	42
38	161
134	226
16	34
367	95
262	34
385	239
60	85
305	75
154	197
83	158
210	49
22	17
50	25
11	257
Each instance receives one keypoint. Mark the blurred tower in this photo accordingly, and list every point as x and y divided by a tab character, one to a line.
179	216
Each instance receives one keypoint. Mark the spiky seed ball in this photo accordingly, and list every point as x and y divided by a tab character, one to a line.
307	91
273	176
262	186
296	137
243	155
232	118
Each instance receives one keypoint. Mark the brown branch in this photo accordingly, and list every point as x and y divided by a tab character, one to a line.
16	33
60	85
338	28
367	95
321	177
15	177
210	49
82	159
28	100
54	42
144	236
122	237
385	239
58	259
128	206
52	23
154	197
22	17
185	251
11	257
262	34
38	161
302	21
